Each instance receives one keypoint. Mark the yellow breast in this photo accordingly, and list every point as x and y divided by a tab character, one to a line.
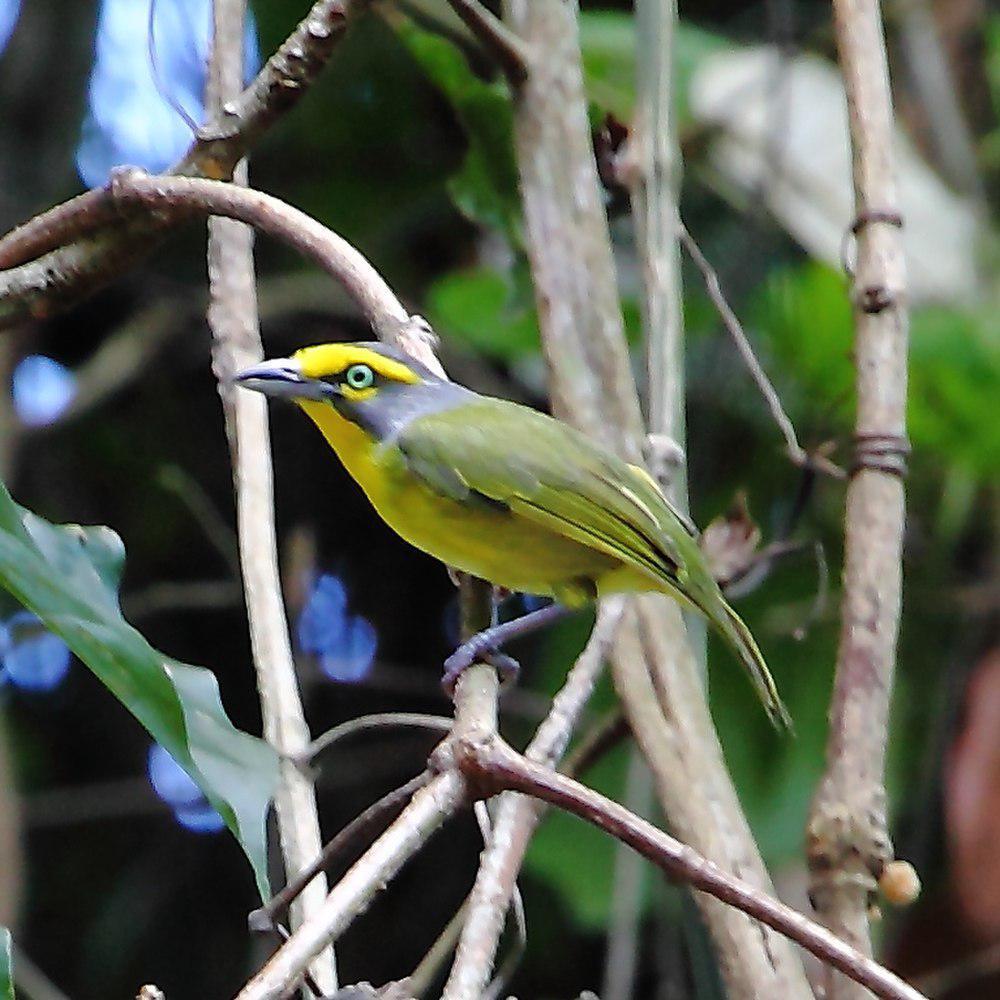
489	542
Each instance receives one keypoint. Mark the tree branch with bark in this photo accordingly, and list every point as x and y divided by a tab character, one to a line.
848	839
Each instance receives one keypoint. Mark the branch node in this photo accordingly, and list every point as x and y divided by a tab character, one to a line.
862	220
881	453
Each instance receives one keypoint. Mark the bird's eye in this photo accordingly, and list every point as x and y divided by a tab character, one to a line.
359	377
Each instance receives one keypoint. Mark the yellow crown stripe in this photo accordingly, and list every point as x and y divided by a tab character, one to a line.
331	359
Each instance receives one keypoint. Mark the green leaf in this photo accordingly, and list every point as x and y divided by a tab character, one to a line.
482	308
485	187
68	576
6	966
608	44
801	323
953	390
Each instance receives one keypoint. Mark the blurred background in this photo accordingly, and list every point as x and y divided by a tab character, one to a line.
113	870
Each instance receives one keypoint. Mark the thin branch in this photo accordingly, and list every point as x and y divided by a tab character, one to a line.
509	51
516	818
376	721
378	815
847	836
69	271
496	764
428	809
236	343
734	327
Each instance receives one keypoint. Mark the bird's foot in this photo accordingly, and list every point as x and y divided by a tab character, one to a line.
485	646
479	649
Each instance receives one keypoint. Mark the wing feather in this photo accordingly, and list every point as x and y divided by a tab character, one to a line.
561	480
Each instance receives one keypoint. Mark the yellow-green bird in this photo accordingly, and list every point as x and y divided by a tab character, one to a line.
501	491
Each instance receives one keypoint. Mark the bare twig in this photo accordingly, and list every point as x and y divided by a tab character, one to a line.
70	272
496	764
509	51
848	841
232	317
654	176
734	327
516	818
366	723
379	814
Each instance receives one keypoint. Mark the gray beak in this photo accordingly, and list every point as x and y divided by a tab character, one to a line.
282	378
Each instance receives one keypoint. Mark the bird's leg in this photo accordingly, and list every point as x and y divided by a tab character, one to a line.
485	646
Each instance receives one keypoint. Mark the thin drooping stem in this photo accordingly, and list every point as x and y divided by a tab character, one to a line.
848	841
232	317
734	327
428	809
379	814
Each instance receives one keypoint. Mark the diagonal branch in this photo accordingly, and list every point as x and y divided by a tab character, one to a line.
734	327
508	50
496	764
847	836
52	274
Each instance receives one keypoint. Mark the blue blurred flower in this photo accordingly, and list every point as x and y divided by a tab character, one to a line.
9	10
199	818
343	643
176	787
41	389
129	121
31	658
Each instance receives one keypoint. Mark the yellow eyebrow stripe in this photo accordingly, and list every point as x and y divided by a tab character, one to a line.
331	359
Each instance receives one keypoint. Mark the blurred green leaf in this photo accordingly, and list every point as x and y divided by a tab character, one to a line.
482	308
954	390
800	322
608	41
485	187
68	576
6	966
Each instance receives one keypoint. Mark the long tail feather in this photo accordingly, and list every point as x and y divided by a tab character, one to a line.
745	646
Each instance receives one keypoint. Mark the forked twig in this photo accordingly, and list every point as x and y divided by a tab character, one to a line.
734	327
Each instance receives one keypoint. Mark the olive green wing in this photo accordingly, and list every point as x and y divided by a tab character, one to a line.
544	470
499	453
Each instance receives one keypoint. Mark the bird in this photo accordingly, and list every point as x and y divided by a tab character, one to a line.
501	491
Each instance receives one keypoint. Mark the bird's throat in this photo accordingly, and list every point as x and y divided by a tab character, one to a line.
354	445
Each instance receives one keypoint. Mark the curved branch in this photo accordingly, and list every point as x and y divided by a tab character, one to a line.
496	764
103	247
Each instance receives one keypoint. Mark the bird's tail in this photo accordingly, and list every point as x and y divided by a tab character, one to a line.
746	648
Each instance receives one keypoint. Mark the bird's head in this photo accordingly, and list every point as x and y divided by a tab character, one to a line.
369	384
